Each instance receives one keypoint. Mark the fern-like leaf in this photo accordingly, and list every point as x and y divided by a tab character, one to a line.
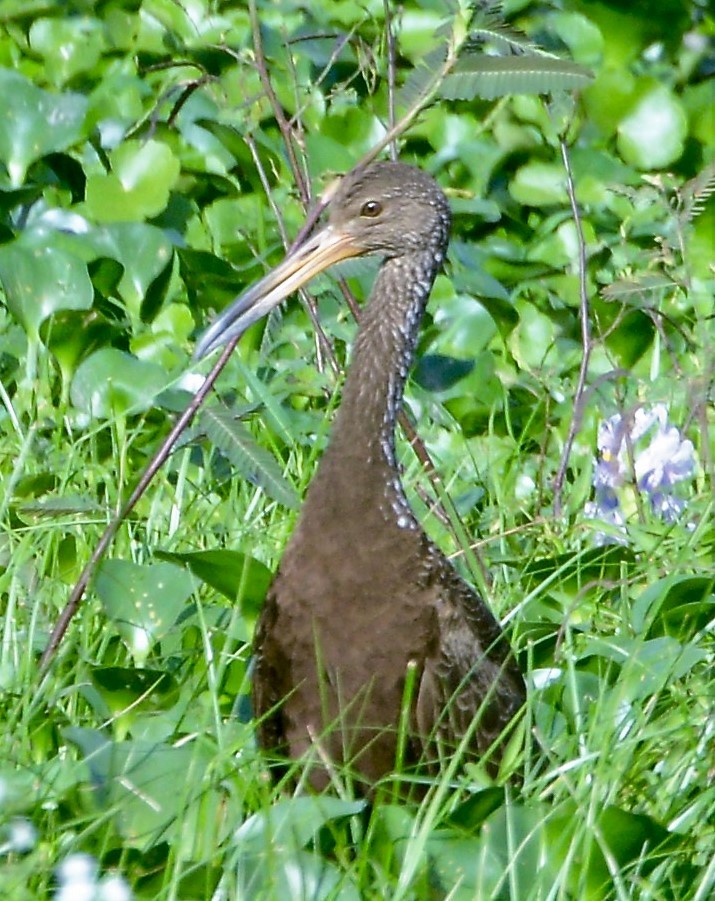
422	80
698	191
496	76
488	27
253	462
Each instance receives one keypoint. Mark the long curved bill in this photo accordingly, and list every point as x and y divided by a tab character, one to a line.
327	247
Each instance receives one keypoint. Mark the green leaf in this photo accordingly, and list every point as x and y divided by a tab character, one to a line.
143	601
235	575
254	463
539	184
653	133
68	46
293	822
581	36
496	76
143	174
113	383
34	123
437	372
152	791
127	693
73	334
41	281
678	606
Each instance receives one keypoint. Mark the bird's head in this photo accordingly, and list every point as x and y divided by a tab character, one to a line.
390	209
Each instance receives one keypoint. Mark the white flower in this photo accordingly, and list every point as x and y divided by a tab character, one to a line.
78	867
114	888
78	879
23	835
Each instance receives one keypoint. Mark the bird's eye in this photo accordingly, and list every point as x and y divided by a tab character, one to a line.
371	209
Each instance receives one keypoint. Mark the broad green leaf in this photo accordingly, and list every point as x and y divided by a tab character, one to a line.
113	383
646	666
533	341
34	123
41	281
471	813
73	334
581	36
143	601
539	184
144	252
677	606
68	46
143	174
293	822
272	859
139	253
254	463
297	874
653	133
153	792
437	372
234	574
128	693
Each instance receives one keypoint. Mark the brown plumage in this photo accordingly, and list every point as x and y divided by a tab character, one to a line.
362	594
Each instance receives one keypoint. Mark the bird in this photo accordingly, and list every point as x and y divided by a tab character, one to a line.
371	651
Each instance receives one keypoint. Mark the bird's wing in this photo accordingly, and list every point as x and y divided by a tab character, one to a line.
471	687
268	677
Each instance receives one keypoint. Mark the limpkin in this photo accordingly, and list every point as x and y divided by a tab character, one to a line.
362	595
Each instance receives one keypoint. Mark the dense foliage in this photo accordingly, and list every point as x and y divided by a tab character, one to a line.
155	157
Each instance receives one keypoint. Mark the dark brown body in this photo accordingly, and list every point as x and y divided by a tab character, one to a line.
370	609
362	596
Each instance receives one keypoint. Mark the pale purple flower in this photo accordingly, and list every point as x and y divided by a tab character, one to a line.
661	459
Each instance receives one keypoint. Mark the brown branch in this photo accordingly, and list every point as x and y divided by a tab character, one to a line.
283	124
391	68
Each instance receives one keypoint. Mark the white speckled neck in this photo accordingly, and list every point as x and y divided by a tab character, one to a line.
364	432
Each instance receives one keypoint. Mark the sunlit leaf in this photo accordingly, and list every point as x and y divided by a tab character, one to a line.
143	173
68	45
41	281
653	133
143	601
34	123
111	382
539	184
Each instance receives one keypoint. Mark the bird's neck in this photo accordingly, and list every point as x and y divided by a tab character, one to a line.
360	459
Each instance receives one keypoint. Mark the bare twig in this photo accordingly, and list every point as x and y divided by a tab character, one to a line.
300	178
586	342
390	37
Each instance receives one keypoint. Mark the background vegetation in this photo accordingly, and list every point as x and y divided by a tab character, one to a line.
155	157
